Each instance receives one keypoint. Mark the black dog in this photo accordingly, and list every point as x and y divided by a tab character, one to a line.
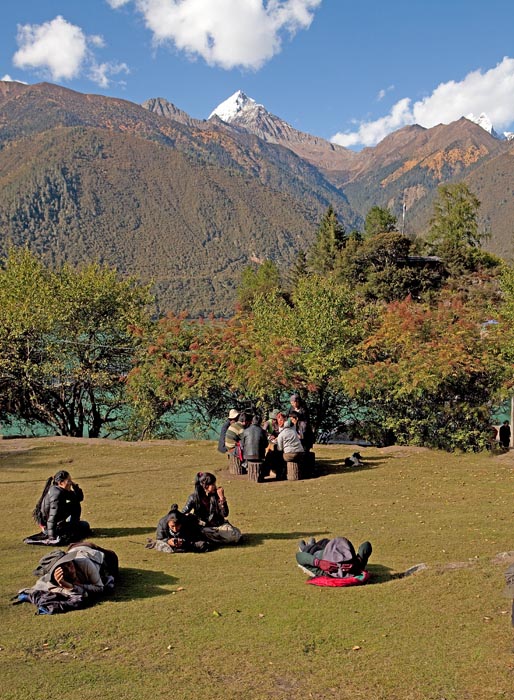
354	460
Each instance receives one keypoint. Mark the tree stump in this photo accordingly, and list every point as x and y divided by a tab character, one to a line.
234	465
293	471
254	471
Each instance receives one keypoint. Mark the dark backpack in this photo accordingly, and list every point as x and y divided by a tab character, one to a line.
47	562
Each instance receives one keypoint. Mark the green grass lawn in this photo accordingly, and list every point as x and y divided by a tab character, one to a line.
240	622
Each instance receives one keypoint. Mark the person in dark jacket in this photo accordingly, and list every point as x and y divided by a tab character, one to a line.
210	506
254	441
59	508
221	441
177	532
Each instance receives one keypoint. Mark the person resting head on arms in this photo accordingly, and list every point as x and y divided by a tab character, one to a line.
75	579
210	506
177	532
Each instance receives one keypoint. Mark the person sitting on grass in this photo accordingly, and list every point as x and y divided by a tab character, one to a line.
210	506
177	532
333	557
58	512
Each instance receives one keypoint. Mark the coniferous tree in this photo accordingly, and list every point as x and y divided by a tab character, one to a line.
379	220
453	233
330	240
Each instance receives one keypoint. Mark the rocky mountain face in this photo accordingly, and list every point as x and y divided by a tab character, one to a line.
186	204
402	172
241	111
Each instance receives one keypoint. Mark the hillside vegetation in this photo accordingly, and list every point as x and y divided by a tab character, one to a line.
186	204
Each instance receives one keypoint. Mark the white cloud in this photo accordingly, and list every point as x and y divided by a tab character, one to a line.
62	51
100	72
490	92
226	33
382	93
58	48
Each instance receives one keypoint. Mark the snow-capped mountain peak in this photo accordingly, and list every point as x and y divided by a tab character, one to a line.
486	124
483	121
233	106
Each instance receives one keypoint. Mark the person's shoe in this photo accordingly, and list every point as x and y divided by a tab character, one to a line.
310	542
302	546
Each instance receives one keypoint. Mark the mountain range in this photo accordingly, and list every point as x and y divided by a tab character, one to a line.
187	203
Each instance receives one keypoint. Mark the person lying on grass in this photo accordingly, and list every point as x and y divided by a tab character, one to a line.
58	512
210	506
177	532
335	558
74	580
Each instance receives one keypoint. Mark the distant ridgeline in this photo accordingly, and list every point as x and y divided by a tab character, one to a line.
188	204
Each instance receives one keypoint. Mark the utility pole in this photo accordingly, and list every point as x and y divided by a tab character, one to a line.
404	209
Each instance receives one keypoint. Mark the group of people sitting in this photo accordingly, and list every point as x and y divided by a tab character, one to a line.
286	436
76	577
72	579
201	523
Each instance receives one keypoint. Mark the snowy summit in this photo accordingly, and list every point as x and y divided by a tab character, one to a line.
233	106
484	121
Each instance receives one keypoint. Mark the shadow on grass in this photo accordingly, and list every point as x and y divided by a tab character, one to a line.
136	584
337	466
121	531
380	574
253	539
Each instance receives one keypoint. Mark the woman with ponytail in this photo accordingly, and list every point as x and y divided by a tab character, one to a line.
58	511
210	506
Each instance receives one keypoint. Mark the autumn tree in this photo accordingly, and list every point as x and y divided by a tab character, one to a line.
65	343
428	376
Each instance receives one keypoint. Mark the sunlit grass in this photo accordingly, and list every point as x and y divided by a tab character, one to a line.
241	622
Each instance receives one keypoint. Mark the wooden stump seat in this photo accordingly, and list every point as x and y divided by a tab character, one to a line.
234	465
254	471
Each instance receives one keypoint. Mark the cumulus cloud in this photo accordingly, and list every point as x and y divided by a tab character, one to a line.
56	47
226	33
62	51
490	92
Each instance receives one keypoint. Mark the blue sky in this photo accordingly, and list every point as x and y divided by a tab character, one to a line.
337	69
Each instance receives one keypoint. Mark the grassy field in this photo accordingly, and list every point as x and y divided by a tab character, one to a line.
240	622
